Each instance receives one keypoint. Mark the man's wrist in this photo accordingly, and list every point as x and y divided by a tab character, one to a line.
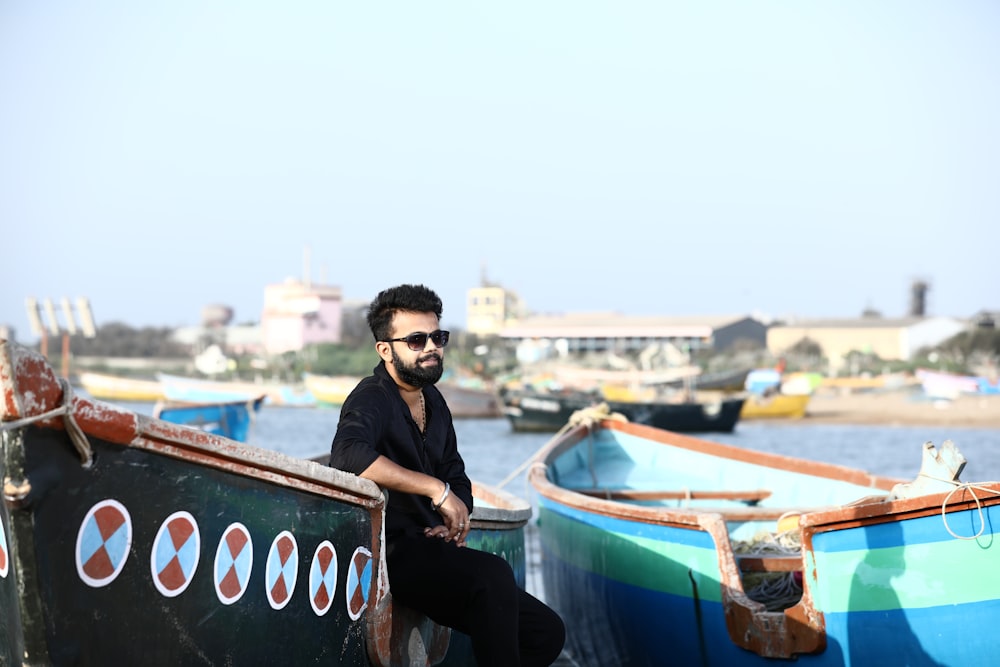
444	496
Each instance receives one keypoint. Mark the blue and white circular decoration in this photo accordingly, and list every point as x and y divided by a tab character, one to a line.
175	554
323	578
4	554
358	584
103	543
233	560
282	569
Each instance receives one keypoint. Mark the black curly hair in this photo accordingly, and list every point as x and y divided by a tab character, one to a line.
410	298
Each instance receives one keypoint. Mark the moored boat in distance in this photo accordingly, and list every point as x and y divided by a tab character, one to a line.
547	412
230	419
107	387
466	402
660	548
775	406
131	540
202	390
330	390
949	386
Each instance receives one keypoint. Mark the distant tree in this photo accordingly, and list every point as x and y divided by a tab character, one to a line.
806	347
336	359
980	345
116	339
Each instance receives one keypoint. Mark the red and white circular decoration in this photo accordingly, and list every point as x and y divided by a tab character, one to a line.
4	556
175	554
323	578
103	543
282	569
233	561
358	584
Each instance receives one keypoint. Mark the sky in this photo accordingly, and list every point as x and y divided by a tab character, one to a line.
781	159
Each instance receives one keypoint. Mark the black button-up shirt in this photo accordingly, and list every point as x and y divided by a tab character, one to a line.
375	420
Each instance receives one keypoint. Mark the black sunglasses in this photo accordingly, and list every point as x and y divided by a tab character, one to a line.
418	341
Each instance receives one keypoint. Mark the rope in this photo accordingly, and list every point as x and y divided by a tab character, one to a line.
588	417
775	590
961	486
76	434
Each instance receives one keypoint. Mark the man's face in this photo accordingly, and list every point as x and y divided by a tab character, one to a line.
416	368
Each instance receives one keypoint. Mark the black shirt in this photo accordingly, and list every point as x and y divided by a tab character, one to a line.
375	420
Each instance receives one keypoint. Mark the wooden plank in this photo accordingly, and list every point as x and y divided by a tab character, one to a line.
769	563
752	496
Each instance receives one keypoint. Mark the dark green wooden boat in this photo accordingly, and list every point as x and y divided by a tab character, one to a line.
129	540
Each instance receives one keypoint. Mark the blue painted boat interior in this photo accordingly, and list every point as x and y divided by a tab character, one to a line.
625	461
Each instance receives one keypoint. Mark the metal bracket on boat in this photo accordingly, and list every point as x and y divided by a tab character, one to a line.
14	493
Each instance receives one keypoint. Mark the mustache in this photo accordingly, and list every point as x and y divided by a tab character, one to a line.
432	355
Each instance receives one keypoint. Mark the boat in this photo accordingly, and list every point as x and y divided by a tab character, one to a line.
330	390
467	402
775	406
126	539
949	386
661	548
202	390
231	419
531	411
868	383
114	388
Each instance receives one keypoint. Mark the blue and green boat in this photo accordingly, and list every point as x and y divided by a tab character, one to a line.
660	548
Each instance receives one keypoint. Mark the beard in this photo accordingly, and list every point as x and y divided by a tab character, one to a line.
417	375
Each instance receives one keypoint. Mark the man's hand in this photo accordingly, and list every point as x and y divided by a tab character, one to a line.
456	521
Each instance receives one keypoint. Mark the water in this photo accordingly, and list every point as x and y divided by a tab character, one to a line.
492	451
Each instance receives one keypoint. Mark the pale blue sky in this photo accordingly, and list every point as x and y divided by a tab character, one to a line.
665	158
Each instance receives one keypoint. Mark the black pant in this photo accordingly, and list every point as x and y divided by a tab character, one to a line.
475	592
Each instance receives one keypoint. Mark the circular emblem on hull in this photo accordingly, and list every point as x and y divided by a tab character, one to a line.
175	554
102	543
282	569
233	560
358	584
323	578
4	557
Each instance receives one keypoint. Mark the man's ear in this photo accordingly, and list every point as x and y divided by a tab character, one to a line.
384	350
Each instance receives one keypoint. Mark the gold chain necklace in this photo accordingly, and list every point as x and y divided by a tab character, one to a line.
423	413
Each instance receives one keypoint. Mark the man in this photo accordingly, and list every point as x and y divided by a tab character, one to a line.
396	430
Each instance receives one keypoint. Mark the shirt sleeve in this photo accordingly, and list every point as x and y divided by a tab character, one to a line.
360	427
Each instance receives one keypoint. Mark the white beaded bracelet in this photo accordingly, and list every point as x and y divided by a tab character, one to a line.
444	497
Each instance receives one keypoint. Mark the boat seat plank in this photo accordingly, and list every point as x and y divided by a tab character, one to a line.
769	563
751	496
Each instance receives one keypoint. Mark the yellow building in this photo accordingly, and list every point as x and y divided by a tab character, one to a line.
888	338
489	308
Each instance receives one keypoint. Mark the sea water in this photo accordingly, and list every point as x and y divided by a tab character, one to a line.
493	453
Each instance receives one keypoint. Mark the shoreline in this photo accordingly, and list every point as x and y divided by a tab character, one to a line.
899	409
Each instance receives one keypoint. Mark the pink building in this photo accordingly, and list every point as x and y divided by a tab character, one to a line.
297	314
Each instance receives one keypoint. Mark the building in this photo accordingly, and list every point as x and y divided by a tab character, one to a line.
539	336
888	338
299	313
489	308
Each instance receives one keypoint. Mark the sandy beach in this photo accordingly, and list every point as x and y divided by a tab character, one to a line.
902	408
